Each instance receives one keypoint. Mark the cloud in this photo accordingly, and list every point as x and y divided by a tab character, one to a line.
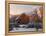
19	9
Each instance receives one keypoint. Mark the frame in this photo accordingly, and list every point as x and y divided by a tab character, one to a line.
7	14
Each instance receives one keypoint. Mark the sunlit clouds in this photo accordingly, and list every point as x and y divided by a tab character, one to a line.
16	9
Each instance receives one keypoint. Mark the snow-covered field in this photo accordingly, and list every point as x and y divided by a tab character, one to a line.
24	29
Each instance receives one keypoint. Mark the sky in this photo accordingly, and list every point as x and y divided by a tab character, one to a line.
16	9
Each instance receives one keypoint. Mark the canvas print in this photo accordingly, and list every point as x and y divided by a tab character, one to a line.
25	18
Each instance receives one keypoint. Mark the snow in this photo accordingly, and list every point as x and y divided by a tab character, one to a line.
23	29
